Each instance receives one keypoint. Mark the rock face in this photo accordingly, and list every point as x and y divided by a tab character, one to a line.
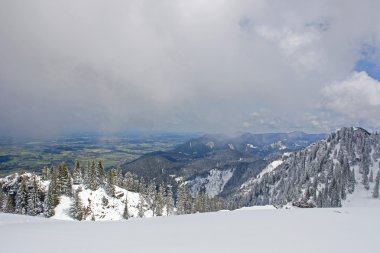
321	175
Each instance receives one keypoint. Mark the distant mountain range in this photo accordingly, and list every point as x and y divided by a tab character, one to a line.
219	164
209	173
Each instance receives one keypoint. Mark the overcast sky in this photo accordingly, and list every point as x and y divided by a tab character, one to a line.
209	66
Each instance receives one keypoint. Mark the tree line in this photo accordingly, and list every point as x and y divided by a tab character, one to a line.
32	194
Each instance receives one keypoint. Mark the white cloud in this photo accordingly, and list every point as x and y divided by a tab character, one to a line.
357	97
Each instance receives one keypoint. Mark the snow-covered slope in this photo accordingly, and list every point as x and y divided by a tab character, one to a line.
99	204
337	230
94	200
329	173
212	184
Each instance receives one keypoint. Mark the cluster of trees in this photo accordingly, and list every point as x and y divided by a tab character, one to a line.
23	197
33	195
321	175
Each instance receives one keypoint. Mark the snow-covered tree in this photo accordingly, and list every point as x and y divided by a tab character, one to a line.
9	206
160	200
110	185
370	177
100	173
375	193
2	197
92	177
34	202
22	198
126	214
141	206
169	201
52	196
64	180
77	209
77	174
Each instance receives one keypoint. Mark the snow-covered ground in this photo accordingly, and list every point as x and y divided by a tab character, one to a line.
213	184
271	167
346	230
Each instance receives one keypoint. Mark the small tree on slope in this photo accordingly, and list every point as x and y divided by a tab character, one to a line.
375	193
22	198
126	212
77	209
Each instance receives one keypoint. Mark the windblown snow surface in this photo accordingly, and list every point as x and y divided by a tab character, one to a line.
264	229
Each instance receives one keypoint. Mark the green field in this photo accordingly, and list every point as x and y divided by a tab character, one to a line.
113	151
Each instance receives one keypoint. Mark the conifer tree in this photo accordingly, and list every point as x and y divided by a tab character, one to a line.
142	187
119	181
100	174
2	197
181	200
64	182
77	174
34	203
93	181
370	178
160	200
129	182
365	181
110	186
77	209
126	212
169	202
86	175
375	193
152	197
52	196
9	206
351	182
45	173
22	198
141	206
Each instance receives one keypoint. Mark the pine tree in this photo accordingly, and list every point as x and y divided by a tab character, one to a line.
52	196
169	202
152	197
77	174
22	198
351	182
160	201
77	209
100	174
129	182
86	175
34	202
334	194
181	200
9	206
93	181
141	206
45	173
2	197
142	187
110	186
375	193
64	180
365	181
119	178
126	212
370	178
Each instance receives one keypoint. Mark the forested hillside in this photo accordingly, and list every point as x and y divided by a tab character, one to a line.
321	175
90	193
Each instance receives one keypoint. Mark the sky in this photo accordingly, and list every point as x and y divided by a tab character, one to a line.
213	66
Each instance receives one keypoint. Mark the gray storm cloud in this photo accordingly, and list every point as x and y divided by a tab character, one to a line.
212	66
